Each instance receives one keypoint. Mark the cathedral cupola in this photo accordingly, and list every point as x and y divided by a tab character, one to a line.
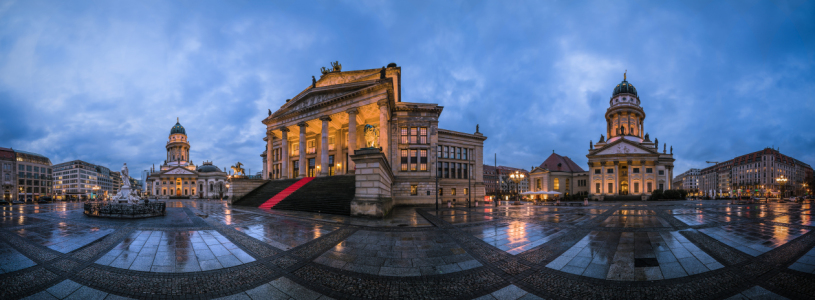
624	87
178	129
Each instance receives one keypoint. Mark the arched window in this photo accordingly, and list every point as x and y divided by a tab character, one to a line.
211	188
557	184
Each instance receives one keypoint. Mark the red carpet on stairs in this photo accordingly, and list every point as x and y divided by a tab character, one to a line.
285	193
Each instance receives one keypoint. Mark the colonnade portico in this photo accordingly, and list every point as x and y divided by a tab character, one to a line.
323	138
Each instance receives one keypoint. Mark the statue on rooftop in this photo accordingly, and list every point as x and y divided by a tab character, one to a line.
313	82
382	73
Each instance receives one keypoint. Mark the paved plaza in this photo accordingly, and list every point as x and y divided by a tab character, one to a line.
206	249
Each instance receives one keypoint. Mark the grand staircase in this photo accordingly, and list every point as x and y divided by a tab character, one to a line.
331	195
265	192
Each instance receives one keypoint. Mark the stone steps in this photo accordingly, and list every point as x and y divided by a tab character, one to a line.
331	195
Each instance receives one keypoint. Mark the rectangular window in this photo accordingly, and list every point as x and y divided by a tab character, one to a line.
466	173
538	184
661	186
636	187
37	169
438	151
446	170
28	168
413	159
414	190
439	170
458	153
422	160
661	172
311	146
22	168
423	135
446	152
404	135
466	191
404	161
413	135
453	191
610	188
649	170
331	143
597	188
296	168
557	184
441	191
295	149
636	170
464	154
331	165
596	171
610	171
458	171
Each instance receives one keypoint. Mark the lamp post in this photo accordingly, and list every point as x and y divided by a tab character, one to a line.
782	182
517	177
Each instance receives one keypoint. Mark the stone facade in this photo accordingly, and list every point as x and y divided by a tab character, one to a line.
628	163
316	133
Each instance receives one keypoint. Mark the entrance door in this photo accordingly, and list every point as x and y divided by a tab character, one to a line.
624	189
311	167
178	192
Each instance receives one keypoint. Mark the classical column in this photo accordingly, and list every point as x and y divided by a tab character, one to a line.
302	142
284	145
608	129
269	137
628	120
324	146
617	177
642	128
339	150
383	126
619	116
352	137
603	178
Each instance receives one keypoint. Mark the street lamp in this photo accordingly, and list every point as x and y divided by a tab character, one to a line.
517	177
782	182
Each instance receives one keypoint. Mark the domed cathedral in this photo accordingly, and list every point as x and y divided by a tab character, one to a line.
625	162
178	177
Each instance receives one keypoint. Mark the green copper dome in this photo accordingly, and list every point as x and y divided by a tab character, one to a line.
178	129
624	87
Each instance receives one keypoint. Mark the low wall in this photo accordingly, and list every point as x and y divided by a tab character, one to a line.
239	187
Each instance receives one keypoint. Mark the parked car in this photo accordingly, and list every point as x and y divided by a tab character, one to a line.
4	202
17	202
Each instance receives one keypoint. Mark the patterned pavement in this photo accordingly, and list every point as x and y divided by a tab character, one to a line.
209	250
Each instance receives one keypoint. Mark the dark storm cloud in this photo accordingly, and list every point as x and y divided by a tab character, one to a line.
104	81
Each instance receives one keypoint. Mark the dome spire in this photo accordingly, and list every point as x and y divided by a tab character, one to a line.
176	120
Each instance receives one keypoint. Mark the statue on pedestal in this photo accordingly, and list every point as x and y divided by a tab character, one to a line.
371	136
124	194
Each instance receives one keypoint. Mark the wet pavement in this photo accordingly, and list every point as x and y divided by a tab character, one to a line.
209	249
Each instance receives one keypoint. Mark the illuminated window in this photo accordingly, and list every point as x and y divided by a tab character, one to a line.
557	184
422	160
404	159
413	135
597	188
423	135
453	191
414	190
331	143
413	159
311	146
295	149
404	135
538	184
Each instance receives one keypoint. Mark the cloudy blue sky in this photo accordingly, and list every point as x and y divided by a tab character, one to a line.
103	81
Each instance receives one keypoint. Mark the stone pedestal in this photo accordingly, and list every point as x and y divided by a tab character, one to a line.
374	179
239	187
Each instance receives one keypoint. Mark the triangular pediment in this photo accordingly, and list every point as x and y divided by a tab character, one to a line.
179	171
623	146
316	96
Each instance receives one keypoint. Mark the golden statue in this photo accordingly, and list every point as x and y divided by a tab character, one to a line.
238	169
371	136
